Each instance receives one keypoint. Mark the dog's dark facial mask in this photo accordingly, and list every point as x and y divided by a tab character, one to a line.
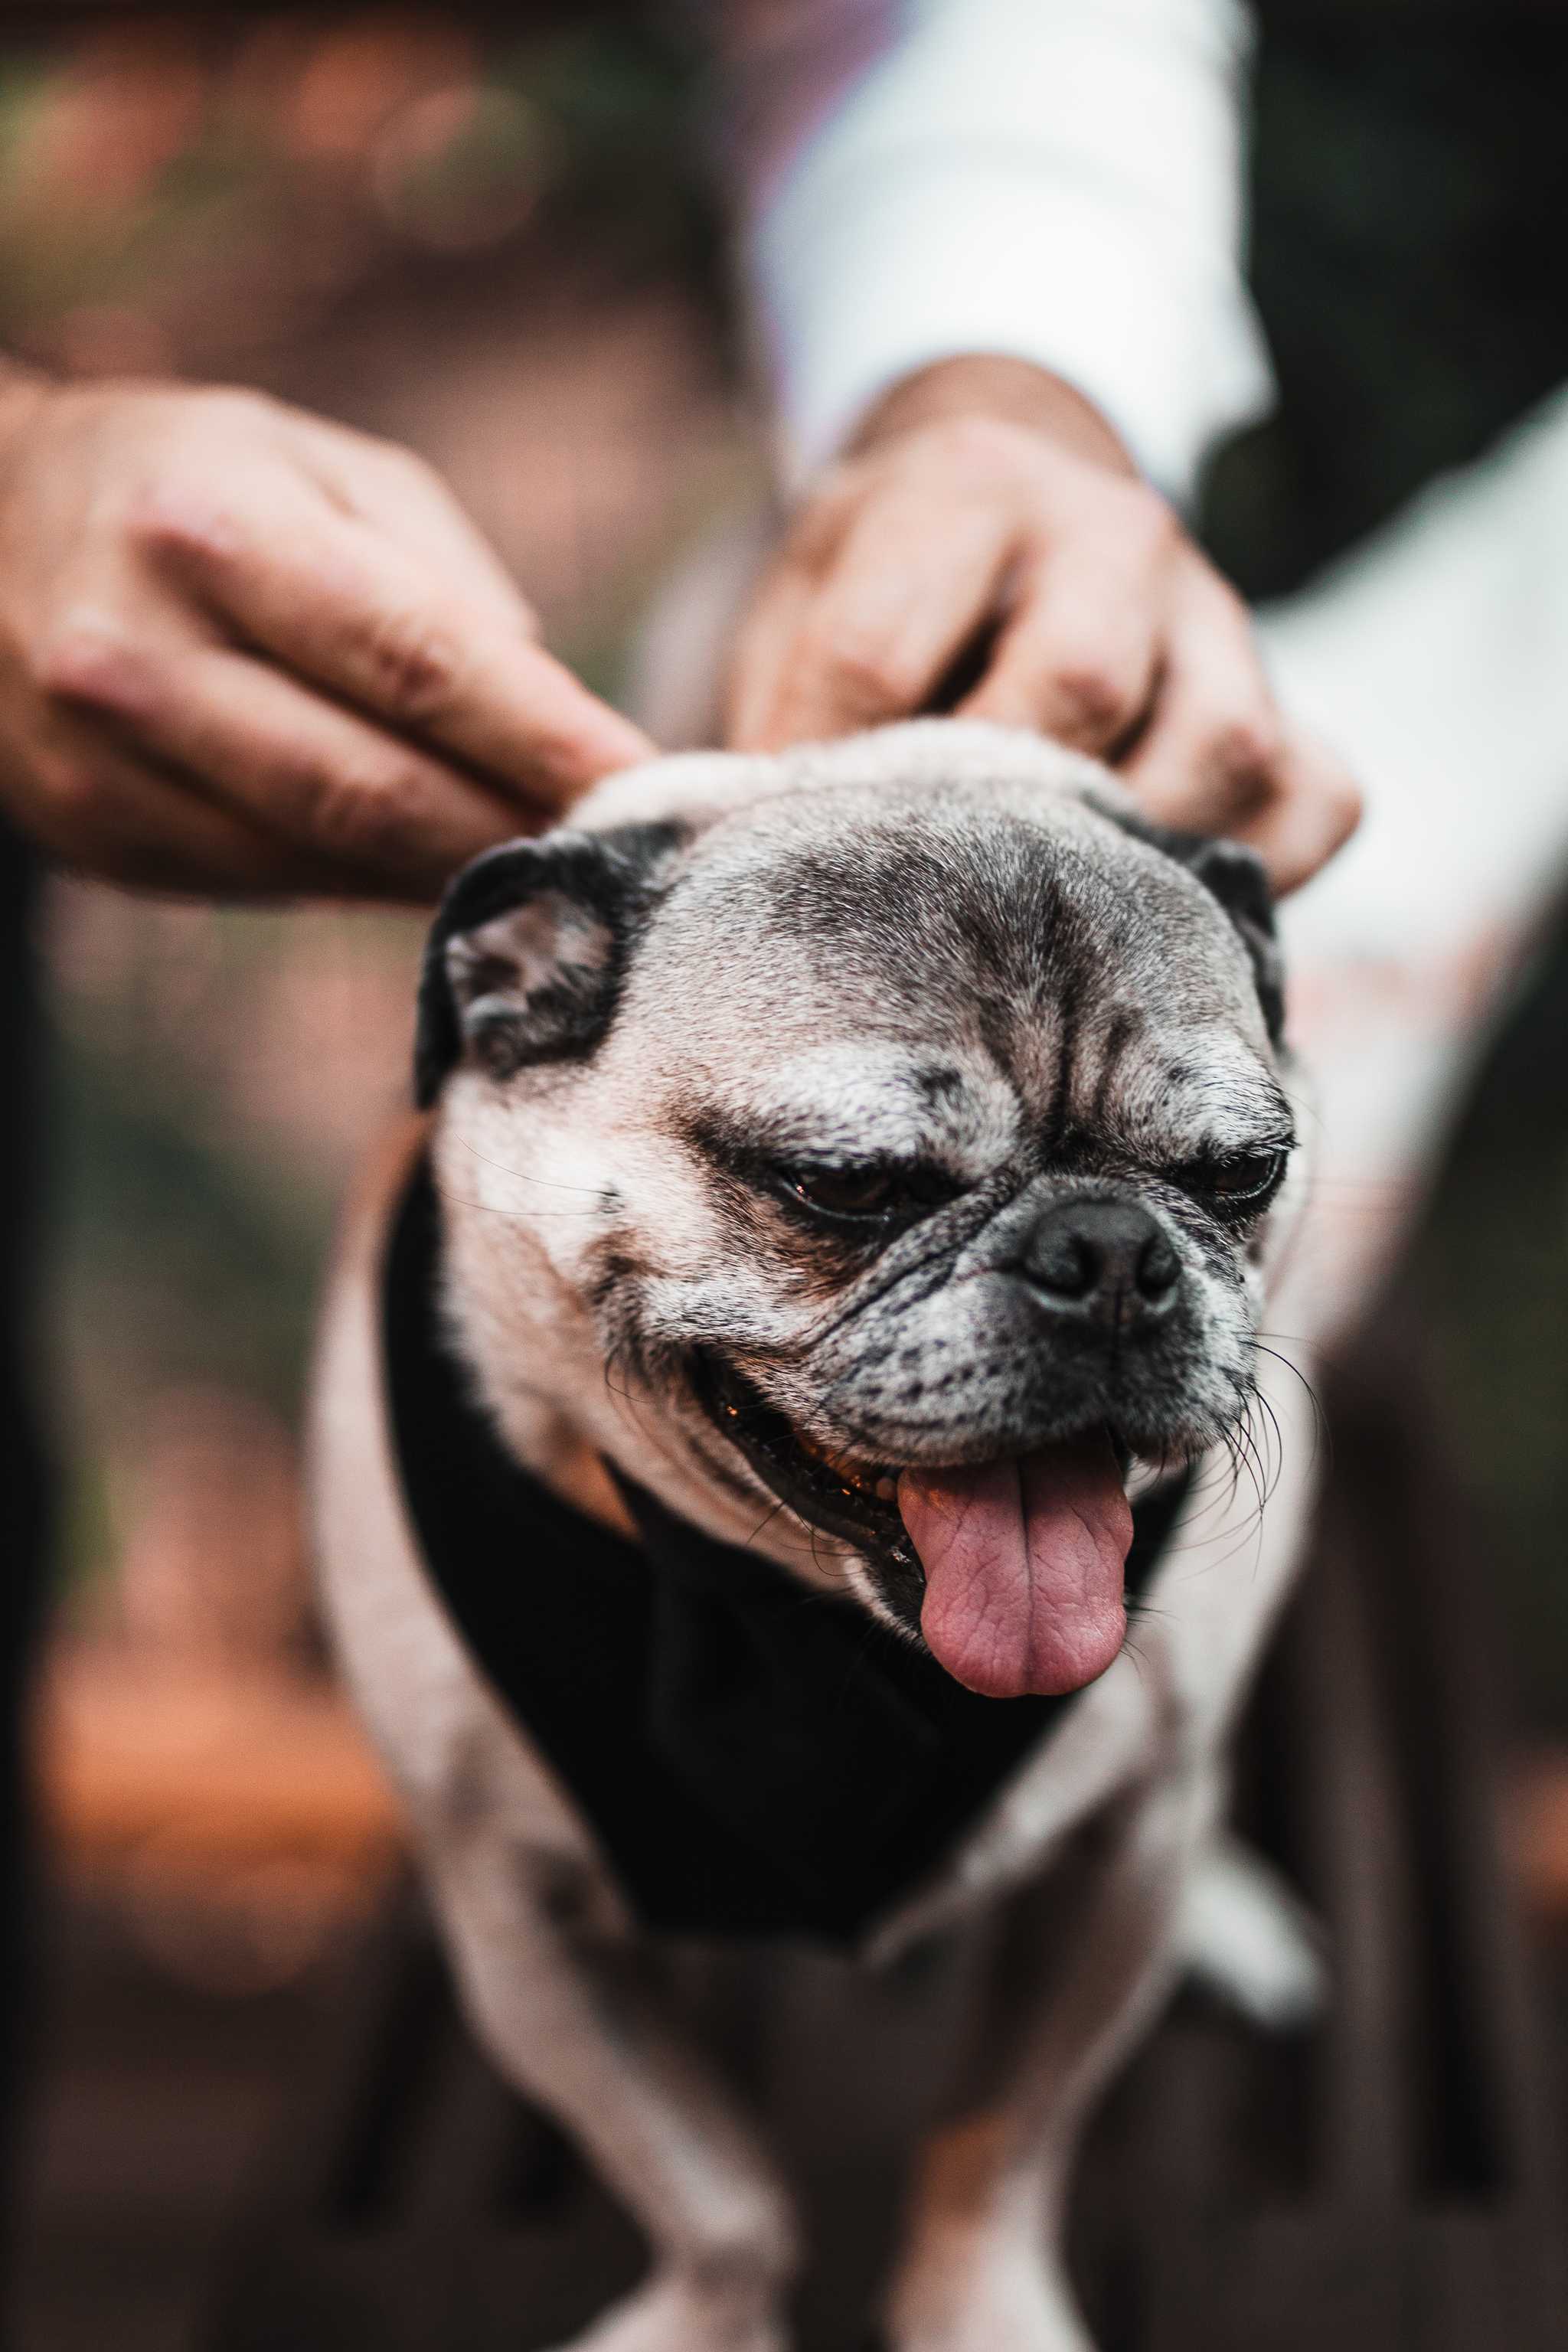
885	1168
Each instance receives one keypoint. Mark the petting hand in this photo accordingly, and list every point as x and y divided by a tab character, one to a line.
987	519
245	650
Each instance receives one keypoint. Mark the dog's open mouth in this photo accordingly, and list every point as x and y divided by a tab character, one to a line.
855	1501
1014	1567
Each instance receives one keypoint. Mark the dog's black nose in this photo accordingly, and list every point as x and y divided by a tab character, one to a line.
1101	1262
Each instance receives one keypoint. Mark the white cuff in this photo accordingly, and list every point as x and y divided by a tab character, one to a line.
986	255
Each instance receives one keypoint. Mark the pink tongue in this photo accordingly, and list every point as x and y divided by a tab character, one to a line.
1023	1565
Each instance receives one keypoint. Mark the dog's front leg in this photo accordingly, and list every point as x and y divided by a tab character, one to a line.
983	2269
570	2022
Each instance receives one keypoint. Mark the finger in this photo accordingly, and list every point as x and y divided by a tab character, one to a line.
397	492
818	528
123	819
1312	815
380	813
1079	656
762	652
1213	752
1218	756
912	581
335	601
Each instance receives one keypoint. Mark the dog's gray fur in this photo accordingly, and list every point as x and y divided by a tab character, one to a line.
943	943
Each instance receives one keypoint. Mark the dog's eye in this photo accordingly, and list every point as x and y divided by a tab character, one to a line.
872	1195
1239	1183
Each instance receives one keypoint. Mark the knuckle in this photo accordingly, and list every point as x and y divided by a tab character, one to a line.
411	667
359	814
1246	753
865	673
182	517
1089	692
85	660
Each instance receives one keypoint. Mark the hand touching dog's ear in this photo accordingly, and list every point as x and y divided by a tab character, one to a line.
524	959
989	526
245	650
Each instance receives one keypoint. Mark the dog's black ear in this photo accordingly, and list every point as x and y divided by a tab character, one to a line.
1239	880
525	957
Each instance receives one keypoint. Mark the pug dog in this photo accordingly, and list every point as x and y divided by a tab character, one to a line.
775	1443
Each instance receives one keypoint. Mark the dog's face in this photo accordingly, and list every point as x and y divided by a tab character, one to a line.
878	1165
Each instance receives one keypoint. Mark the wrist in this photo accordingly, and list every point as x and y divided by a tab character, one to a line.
1010	390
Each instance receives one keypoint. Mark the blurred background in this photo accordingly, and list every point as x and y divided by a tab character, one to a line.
505	250
501	251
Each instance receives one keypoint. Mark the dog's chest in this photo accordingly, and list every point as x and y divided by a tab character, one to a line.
753	1759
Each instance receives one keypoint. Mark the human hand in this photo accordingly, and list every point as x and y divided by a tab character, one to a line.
987	519
245	650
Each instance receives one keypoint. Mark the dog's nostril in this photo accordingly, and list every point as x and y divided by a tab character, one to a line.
1157	1270
1067	1264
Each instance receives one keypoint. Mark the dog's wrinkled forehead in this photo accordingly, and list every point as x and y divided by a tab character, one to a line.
991	914
936	923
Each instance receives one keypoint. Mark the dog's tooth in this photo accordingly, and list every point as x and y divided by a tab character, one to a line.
887	1490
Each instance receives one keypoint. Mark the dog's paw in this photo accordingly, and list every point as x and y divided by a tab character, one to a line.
1006	2300
671	2315
1249	1940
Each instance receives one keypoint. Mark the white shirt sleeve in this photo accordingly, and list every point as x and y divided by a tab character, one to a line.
1056	180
